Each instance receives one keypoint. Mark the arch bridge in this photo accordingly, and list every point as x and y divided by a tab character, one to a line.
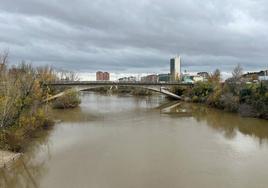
163	88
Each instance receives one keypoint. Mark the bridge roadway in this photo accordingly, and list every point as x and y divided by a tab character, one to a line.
115	83
87	85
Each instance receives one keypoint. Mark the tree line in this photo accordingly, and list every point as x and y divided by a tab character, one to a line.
234	95
23	88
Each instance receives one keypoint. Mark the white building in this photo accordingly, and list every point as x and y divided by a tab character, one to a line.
197	78
128	79
175	68
263	78
192	78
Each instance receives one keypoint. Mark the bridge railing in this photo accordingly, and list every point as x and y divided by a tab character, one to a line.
76	83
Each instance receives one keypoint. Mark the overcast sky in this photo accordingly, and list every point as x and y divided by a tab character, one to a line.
136	35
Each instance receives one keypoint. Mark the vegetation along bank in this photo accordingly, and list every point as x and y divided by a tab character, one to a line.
23	89
248	98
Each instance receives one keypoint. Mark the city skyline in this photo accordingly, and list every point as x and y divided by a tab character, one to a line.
175	70
136	36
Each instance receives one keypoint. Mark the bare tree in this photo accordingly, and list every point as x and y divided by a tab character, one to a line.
18	93
237	73
215	77
233	84
68	75
4	58
46	74
3	65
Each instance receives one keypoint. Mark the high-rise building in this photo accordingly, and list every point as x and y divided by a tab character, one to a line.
106	76
99	76
175	68
102	76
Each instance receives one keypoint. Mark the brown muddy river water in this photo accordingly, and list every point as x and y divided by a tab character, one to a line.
129	142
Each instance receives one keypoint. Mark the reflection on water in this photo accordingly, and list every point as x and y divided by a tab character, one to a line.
125	141
73	115
228	123
29	169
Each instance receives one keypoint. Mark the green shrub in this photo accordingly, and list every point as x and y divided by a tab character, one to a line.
70	99
18	136
230	102
215	98
202	89
141	92
21	110
195	99
178	90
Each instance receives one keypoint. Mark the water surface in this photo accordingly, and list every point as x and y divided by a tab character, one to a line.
149	142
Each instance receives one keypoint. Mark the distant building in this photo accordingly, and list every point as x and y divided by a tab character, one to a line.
163	77
102	76
153	78
106	76
253	76
205	75
128	79
99	76
263	78
175	68
198	78
187	78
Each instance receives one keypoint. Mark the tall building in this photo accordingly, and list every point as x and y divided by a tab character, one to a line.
175	68
106	76
99	76
102	76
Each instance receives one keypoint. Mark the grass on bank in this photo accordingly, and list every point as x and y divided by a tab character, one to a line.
70	99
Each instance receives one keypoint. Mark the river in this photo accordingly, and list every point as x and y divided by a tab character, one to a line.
144	142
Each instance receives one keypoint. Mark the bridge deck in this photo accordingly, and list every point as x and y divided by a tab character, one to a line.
109	83
89	84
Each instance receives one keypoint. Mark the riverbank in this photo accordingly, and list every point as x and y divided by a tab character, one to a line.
7	158
24	95
247	100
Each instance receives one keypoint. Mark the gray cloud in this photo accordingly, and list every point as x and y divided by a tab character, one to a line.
141	36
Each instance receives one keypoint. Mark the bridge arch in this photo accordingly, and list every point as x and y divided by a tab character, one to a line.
154	88
158	89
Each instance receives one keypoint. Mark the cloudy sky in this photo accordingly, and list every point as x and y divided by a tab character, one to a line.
136	35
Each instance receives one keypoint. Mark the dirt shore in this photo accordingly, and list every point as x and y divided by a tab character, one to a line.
7	158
